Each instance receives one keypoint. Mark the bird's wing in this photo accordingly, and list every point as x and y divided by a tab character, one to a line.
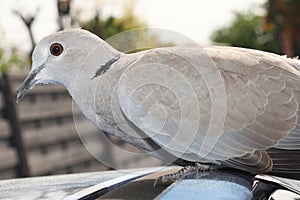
206	104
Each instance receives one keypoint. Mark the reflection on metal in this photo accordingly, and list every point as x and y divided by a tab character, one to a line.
101	188
62	186
206	189
293	185
284	195
265	186
228	185
222	184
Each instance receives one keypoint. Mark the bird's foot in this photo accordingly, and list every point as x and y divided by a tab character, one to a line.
167	178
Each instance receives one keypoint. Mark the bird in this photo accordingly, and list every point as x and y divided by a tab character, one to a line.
213	105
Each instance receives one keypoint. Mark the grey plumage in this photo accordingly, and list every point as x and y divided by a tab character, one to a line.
233	106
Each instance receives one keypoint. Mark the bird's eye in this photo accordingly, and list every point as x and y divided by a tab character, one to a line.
56	49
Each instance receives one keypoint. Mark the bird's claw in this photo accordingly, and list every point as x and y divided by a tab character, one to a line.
176	175
167	178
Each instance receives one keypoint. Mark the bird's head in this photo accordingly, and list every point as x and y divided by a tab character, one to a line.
60	57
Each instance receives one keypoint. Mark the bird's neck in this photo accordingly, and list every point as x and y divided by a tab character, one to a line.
98	60
94	84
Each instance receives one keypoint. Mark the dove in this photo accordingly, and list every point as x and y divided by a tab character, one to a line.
213	105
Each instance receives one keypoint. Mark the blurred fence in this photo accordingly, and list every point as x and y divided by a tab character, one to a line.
38	135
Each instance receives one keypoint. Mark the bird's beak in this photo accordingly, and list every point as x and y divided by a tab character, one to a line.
29	82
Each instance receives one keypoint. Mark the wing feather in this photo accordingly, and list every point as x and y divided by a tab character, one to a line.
216	103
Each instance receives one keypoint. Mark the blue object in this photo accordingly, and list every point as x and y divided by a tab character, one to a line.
206	189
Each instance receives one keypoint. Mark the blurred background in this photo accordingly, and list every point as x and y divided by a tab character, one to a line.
38	136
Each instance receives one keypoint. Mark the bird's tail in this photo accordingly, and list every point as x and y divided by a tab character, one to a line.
274	161
286	163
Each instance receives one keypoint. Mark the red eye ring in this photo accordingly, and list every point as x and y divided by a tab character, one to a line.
56	49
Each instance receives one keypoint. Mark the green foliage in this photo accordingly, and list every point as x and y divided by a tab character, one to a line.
134	37
7	62
106	28
247	31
